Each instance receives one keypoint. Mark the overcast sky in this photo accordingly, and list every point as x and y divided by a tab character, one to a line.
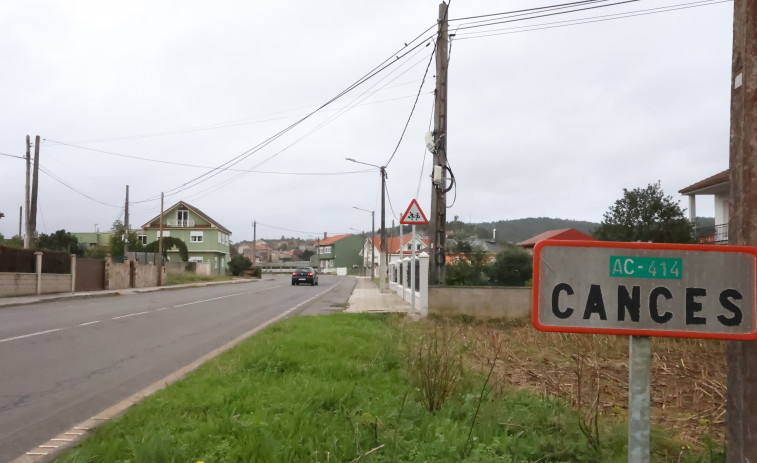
543	120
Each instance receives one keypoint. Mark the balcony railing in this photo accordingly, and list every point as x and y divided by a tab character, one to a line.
180	223
712	235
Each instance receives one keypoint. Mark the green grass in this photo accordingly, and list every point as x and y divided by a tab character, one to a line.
184	278
331	389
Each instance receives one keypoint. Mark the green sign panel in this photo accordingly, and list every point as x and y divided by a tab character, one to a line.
646	267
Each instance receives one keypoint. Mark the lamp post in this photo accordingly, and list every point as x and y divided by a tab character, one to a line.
373	232
383	256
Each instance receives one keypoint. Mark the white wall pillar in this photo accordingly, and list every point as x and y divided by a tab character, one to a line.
73	273
38	269
422	303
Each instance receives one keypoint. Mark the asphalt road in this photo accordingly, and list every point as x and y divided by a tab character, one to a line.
63	362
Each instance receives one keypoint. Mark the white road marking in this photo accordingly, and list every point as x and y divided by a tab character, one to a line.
207	300
266	289
163	308
129	315
30	335
89	323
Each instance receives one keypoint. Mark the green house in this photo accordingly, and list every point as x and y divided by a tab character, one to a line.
207	241
339	251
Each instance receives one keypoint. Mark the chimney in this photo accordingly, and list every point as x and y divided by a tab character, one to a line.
325	235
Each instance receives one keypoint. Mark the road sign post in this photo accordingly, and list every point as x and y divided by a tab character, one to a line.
413	216
642	290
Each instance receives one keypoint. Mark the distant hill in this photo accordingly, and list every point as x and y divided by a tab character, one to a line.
522	229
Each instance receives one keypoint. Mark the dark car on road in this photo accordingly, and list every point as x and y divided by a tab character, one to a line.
304	275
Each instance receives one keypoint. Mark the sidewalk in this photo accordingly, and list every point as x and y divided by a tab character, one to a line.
366	297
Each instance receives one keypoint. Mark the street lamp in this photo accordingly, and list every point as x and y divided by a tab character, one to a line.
382	265
373	231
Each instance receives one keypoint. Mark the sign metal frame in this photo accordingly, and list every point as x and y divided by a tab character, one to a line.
404	220
749	313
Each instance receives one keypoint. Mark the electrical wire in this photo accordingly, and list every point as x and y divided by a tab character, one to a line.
586	20
237	159
425	150
415	103
12	156
362	97
74	189
183	164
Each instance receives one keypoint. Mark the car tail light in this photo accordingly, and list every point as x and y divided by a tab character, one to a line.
310	274
294	274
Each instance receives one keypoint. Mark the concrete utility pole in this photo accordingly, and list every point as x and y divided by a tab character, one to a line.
438	224
20	219
28	186
32	230
126	223
742	355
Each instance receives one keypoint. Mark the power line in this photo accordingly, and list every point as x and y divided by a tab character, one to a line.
244	155
540	8
586	20
227	124
12	156
74	189
362	97
183	164
493	23
415	103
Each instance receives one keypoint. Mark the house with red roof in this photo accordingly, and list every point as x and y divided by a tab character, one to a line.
560	234
339	251
719	187
398	247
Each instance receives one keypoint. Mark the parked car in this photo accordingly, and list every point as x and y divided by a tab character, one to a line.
304	275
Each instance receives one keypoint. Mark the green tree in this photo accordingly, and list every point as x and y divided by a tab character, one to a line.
61	240
512	267
116	241
239	264
645	214
474	270
169	242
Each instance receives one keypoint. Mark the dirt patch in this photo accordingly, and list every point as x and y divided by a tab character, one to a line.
688	376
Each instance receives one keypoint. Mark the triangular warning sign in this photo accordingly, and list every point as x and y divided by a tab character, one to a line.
414	215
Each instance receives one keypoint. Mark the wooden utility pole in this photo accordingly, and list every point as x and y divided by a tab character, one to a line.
28	187
254	238
32	230
742	355
383	262
439	181
126	224
160	242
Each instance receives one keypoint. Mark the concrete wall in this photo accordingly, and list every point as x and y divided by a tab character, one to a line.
17	284
117	275
481	302
25	284
56	283
145	276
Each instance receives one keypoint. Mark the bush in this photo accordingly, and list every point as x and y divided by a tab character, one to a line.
239	264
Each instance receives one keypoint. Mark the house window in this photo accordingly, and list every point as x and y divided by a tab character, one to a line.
324	250
166	233
195	259
142	238
182	217
195	237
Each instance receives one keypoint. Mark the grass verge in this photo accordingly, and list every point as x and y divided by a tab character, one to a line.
185	278
336	388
